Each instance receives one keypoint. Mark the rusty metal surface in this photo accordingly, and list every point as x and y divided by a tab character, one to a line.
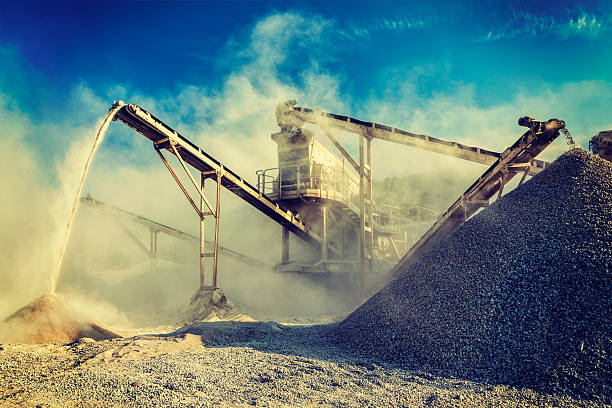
601	144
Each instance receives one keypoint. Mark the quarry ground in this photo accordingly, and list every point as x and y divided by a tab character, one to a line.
234	364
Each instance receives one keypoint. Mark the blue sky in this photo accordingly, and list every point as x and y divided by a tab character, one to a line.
159	46
461	71
370	48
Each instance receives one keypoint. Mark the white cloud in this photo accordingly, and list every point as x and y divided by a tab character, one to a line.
232	122
525	24
455	115
398	24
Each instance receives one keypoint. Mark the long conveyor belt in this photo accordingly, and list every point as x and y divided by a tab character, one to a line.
296	115
173	232
514	160
161	135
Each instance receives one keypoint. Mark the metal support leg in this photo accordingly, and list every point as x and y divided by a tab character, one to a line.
200	210
324	233
362	215
202	242
285	245
216	215
502	185
525	174
370	210
217	221
153	250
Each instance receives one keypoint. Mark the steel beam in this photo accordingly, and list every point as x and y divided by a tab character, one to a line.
202	231
121	214
324	237
285	245
362	217
161	135
296	116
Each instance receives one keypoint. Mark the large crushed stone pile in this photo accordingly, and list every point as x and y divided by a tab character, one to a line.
520	294
48	319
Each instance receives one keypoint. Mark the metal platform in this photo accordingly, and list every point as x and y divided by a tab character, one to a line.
188	154
333	210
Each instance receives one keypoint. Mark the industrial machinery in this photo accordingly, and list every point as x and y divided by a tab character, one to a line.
601	144
122	217
347	189
327	202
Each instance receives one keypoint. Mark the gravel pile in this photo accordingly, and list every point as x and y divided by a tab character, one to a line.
48	319
207	304
519	295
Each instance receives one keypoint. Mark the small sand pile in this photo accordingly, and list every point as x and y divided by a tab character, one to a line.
208	304
520	294
49	319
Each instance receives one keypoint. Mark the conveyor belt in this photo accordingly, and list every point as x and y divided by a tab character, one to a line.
161	134
513	160
173	232
392	134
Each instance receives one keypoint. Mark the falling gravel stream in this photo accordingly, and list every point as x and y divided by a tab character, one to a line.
97	141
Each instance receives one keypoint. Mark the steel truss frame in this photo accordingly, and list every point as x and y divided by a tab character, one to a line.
199	209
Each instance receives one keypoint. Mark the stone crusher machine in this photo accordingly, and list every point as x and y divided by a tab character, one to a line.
344	189
327	202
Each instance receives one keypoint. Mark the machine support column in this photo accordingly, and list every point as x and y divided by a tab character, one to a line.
217	222
202	246
285	245
370	210
324	233
153	250
362	215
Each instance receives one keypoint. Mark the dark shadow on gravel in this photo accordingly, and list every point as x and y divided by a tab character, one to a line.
308	341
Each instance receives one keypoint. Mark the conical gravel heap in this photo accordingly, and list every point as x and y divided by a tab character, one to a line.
208	303
520	294
49	319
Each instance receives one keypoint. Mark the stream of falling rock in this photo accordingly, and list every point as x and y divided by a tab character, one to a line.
77	194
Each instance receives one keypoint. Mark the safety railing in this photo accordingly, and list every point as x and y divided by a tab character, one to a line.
309	178
292	181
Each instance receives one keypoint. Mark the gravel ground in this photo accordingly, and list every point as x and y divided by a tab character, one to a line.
518	295
234	364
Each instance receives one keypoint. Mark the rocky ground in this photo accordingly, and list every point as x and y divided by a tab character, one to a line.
235	364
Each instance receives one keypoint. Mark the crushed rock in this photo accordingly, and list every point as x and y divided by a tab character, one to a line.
207	304
49	319
518	295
